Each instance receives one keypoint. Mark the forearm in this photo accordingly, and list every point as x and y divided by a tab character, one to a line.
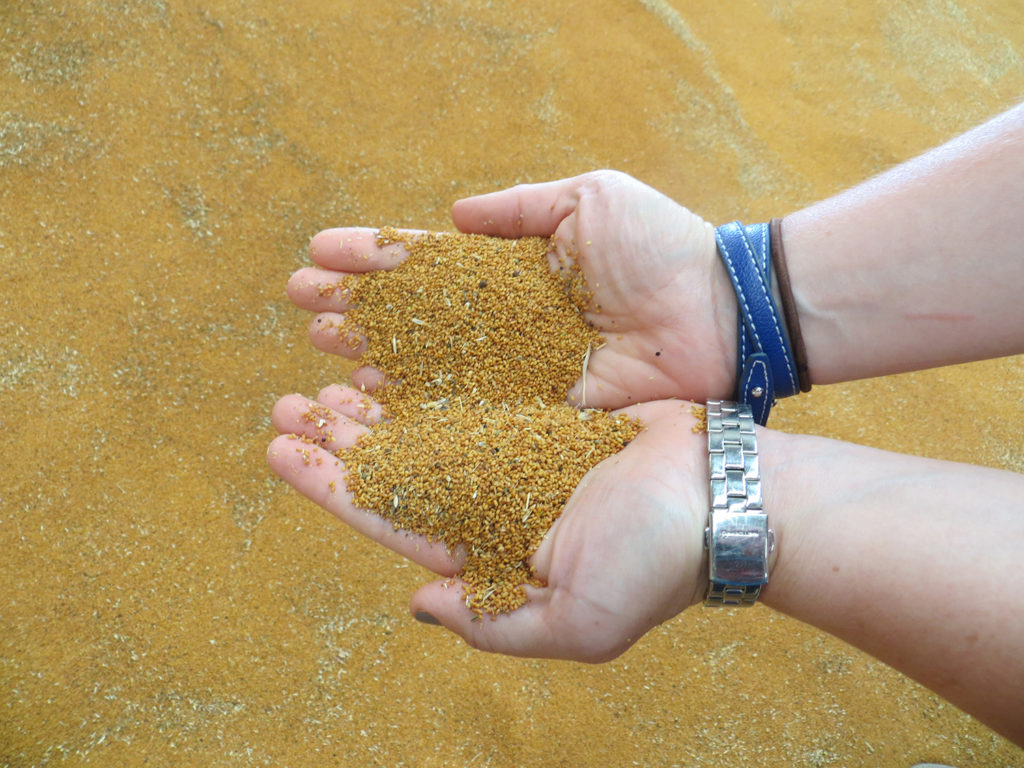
914	561
919	267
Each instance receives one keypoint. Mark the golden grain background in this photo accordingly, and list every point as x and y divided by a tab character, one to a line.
164	600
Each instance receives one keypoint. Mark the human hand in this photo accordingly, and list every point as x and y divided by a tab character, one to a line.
624	556
661	299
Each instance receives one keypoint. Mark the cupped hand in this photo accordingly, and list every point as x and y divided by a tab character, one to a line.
312	432
625	555
660	296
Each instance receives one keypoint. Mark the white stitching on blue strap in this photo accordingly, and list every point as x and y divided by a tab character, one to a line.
771	309
754	366
736	283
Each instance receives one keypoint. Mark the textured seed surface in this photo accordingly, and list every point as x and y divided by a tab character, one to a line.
480	341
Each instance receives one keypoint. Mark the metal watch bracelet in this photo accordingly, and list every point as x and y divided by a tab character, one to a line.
738	539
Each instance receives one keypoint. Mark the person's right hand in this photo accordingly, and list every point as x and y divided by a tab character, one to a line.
625	555
661	297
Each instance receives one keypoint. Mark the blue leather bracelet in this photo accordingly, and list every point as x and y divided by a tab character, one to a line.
765	368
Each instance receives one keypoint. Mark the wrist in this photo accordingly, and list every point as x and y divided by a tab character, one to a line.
784	500
809	487
738	538
823	295
768	365
724	314
779	455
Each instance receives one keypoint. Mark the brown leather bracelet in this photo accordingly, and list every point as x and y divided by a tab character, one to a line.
796	338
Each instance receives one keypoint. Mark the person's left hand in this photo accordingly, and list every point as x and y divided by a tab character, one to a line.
625	555
660	295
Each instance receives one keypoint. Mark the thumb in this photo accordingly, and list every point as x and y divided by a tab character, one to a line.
520	211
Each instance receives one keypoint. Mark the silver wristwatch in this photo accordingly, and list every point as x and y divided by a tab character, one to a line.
738	539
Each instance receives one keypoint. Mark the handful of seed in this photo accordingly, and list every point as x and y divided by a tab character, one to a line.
480	342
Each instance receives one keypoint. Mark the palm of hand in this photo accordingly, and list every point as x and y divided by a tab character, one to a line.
651	266
623	557
659	294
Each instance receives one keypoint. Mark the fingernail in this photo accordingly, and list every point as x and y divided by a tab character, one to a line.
427	618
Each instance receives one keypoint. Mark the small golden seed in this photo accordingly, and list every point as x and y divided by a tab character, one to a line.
484	318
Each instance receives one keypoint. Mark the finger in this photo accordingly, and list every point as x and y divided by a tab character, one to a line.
368	379
320	476
355	249
320	290
521	211
298	415
329	333
350	402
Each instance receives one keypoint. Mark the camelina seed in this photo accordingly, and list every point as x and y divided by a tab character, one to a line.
480	341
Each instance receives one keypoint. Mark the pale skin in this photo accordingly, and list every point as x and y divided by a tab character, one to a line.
912	560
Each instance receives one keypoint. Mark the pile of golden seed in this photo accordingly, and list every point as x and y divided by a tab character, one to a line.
480	341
